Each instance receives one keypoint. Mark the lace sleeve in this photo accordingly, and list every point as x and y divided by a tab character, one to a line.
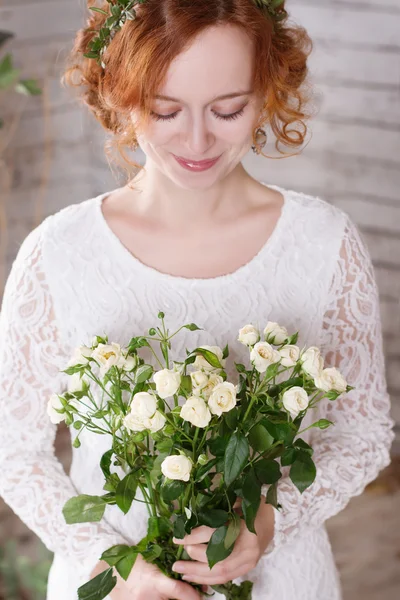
350	453
33	482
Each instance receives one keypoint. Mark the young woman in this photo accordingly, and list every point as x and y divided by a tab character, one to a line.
194	235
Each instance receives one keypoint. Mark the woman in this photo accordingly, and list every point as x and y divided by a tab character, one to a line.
207	244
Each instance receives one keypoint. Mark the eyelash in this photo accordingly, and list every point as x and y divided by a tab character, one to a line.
223	117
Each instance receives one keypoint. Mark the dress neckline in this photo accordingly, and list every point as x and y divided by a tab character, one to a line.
149	271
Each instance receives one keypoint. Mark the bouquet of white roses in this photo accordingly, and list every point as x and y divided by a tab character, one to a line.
191	441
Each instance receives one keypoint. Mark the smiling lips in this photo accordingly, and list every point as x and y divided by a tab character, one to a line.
195	165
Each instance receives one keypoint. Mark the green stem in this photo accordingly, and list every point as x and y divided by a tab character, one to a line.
254	398
151	491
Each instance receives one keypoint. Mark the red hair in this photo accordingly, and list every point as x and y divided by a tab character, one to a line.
138	58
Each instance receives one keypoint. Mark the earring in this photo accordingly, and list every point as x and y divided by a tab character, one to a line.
261	140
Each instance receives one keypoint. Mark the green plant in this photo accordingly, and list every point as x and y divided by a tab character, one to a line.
9	76
22	578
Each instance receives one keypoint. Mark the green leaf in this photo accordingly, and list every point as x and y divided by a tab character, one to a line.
28	87
332	395
288	457
322	424
216	550
251	487
126	491
158	527
236	456
231	418
280	429
186	384
76	443
99	10
8	74
302	445
105	462
125	565
114	554
225	352
250	512
143	373
267	470
260	439
179	527
233	530
84	509
213	517
172	489
202	471
209	356
218	445
192	327
303	471
99	587
272	495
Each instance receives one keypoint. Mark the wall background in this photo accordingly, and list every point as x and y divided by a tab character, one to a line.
353	161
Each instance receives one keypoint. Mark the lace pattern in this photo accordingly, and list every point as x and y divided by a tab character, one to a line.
67	283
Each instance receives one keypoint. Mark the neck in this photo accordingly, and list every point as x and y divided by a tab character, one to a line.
160	199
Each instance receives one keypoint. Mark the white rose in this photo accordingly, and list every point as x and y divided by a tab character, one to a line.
199	379
331	379
202	363
295	400
108	355
289	355
263	355
275	334
53	403
312	362
128	363
135	422
213	381
80	356
143	405
75	383
167	382
248	335
196	411
177	467
223	398
157	421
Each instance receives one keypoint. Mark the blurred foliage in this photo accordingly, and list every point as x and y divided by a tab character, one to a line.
22	578
9	76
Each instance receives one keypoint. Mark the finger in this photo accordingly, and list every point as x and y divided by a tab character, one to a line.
197	552
200	569
172	588
219	579
199	535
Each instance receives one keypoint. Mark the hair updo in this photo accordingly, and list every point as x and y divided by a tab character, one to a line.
138	58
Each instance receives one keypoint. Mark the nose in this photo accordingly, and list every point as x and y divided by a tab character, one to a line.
199	138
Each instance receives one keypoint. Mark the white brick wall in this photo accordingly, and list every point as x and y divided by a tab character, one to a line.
352	160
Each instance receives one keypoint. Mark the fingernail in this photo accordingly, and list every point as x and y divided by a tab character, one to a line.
177	568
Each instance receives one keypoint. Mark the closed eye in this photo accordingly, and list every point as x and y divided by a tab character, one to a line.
230	117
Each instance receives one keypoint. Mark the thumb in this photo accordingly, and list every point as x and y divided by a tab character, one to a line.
178	590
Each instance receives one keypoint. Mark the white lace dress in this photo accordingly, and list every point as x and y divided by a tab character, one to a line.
73	278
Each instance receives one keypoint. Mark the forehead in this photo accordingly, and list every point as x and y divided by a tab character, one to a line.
218	61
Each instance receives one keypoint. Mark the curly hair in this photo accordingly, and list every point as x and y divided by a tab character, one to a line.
138	58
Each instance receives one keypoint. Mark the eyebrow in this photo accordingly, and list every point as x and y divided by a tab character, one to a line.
223	97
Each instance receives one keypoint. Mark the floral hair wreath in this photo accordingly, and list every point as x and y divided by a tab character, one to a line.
122	11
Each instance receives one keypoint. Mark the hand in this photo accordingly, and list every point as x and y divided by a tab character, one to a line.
248	550
147	581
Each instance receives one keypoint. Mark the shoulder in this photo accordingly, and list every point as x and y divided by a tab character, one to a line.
66	225
317	207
